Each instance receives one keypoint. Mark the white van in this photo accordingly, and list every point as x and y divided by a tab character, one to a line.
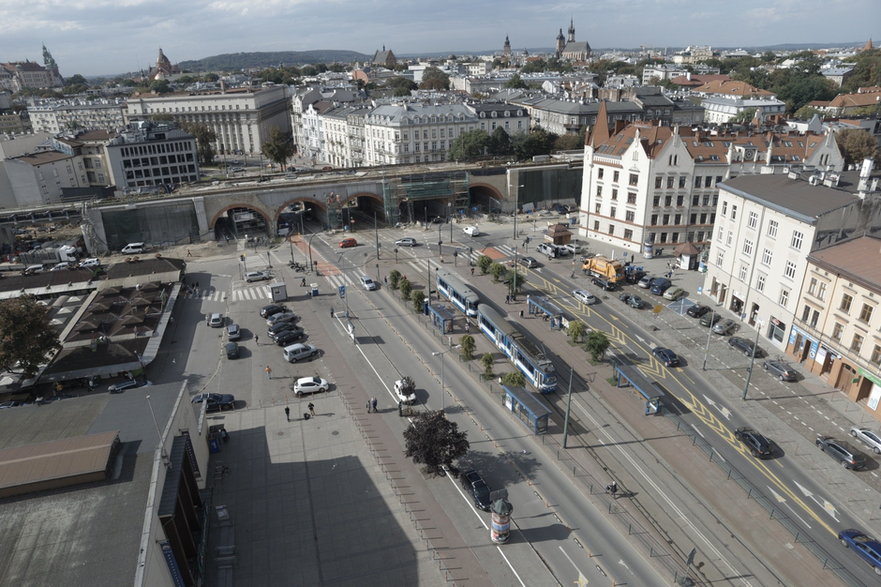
548	249
471	230
133	249
298	351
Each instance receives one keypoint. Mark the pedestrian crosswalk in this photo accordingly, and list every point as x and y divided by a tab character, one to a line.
339	279
238	295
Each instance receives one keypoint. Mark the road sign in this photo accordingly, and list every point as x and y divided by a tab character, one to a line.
342	291
700	289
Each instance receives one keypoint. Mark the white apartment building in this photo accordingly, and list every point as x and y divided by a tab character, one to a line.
241	118
67	116
38	178
149	156
766	226
722	109
649	187
343	133
414	133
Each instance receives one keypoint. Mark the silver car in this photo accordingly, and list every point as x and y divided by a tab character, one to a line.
585	297
868	437
724	327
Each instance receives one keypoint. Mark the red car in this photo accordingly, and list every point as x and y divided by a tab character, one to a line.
348	242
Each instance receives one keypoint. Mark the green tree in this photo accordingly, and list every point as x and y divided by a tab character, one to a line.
866	71
394	278
76	80
400	86
513	379
515	280
569	142
515	82
484	263
161	86
499	143
597	344
807	113
497	270
434	79
744	116
309	71
536	142
26	336
576	330
406	288
468	345
418	298
469	146
205	138
534	66
434	441
278	148
801	89
487	361
857	144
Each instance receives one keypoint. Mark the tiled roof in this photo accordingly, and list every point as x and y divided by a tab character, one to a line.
732	88
859	259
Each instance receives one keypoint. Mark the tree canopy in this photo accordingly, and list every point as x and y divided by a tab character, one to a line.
434	79
205	138
26	338
434	441
856	145
400	86
470	146
536	142
278	148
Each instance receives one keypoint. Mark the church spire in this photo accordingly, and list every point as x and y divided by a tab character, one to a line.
571	30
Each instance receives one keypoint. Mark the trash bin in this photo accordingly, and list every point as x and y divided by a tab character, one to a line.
313	287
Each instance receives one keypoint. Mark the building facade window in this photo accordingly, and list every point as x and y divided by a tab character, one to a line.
866	313
856	343
753	220
784	297
789	271
846	301
760	283
747	247
743	271
766	257
772	228
837	330
876	355
797	239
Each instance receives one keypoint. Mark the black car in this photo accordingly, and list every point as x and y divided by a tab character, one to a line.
267	311
666	356
842	451
282	327
474	484
759	446
216	401
287	337
710	319
659	285
746	346
632	300
697	310
603	283
232	350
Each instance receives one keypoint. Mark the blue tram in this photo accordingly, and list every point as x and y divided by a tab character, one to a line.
537	368
458	292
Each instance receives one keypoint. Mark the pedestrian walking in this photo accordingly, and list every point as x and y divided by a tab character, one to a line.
385	279
256	339
368	406
472	271
268	372
189	253
373	404
521	313
311	408
331	312
303	282
287	413
508	299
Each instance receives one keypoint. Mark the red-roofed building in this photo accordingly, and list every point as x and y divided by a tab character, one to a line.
654	184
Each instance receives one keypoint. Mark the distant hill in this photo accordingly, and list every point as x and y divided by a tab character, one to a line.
236	61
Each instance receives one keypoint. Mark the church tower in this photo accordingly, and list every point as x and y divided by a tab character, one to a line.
571	38
52	67
561	44
506	51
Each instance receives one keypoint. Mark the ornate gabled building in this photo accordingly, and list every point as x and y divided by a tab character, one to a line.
568	49
648	186
28	74
385	58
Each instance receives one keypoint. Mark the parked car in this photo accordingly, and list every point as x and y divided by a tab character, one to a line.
64	265
90	263
348	243
528	262
759	446
270	309
603	283
866	547
305	385
868	437
666	356
406	242
697	310
275	330
233	332
632	300
645	282
746	346
123	385
368	283
585	297
215	320
282	317
289	336
232	350
710	319
474	484
842	451
216	402
256	276
471	231
725	327
674	293
298	351
781	370
659	285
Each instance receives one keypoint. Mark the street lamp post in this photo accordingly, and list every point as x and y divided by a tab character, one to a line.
709	332
443	388
450	220
752	360
155	422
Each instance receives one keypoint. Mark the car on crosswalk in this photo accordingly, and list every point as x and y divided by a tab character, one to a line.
252	276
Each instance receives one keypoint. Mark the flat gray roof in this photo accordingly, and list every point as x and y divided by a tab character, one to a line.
857	259
794	197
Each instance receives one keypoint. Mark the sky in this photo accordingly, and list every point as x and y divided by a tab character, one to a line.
105	37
